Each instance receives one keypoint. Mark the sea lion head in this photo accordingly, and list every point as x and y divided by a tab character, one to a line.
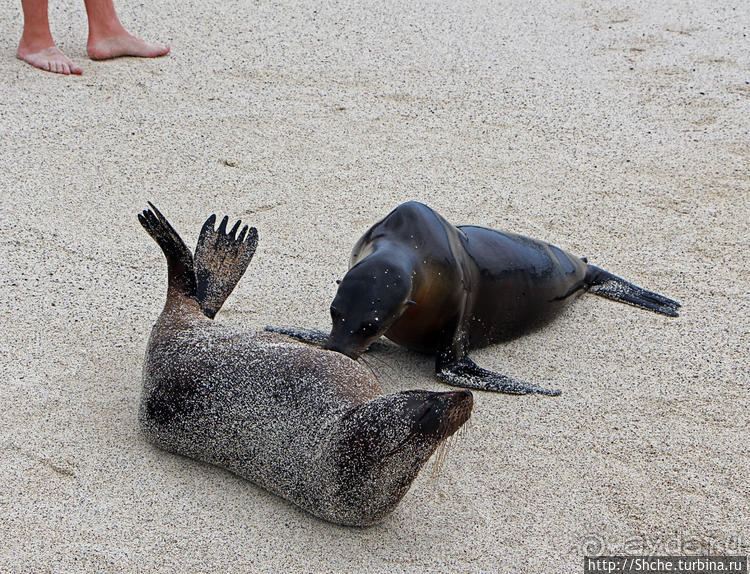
370	298
379	447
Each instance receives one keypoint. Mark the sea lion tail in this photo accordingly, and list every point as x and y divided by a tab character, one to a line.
181	277
221	259
610	286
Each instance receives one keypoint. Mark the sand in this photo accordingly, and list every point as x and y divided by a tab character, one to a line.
619	131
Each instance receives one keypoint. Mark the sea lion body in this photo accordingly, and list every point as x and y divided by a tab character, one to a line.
436	288
494	285
522	284
468	286
307	424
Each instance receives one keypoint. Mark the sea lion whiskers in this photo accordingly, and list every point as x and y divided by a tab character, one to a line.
389	378
442	453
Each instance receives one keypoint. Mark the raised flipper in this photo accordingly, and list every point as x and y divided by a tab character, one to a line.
467	374
181	278
604	284
310	336
221	259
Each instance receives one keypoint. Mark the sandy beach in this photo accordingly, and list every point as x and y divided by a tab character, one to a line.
617	131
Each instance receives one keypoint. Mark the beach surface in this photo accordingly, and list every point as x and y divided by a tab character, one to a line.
619	131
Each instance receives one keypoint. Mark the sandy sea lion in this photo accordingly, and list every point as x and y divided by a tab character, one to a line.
444	290
307	424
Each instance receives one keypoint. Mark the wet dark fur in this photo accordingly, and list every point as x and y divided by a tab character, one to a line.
444	290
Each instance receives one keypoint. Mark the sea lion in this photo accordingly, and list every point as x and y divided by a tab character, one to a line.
307	424
443	290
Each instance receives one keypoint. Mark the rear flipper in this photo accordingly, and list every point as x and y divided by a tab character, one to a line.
610	286
310	336
221	259
181	279
466	373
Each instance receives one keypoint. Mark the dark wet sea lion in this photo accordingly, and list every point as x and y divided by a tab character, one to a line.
444	290
307	424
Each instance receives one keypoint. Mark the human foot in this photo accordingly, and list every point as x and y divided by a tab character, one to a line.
50	59
124	45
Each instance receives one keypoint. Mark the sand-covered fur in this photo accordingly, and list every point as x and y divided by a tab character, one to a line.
309	425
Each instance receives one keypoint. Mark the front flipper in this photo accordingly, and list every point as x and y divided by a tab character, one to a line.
310	336
315	337
466	373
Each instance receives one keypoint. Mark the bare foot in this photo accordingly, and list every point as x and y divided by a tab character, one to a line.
50	59
124	45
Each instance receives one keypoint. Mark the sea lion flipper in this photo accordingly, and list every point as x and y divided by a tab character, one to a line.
179	259
221	258
467	374
310	336
605	284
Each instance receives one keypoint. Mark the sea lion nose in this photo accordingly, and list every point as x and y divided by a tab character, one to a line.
455	409
441	413
333	345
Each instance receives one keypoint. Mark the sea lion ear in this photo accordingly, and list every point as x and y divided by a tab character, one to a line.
338	281
410	303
